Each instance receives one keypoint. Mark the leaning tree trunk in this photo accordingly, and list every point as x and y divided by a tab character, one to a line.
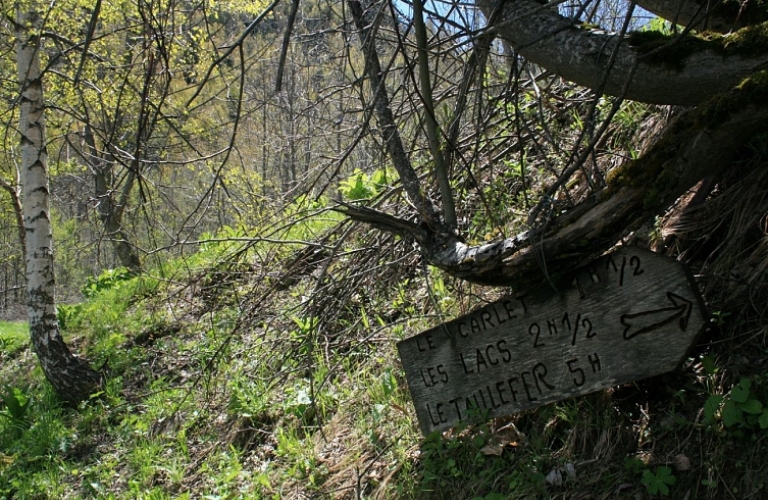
645	67
70	376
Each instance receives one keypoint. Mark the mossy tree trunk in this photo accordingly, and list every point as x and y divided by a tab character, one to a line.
699	143
715	16
684	72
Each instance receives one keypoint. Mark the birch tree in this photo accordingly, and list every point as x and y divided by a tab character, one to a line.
71	377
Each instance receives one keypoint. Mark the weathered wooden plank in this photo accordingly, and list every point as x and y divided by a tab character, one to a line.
629	315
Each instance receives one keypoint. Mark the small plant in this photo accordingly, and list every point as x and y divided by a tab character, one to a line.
656	236
361	186
388	382
634	465
67	314
16	410
13	335
740	409
357	187
719	318
662	26
107	280
659	481
299	401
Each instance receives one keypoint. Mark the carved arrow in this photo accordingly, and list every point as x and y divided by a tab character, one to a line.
521	352
656	318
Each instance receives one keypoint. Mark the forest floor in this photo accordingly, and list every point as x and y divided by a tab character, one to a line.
221	382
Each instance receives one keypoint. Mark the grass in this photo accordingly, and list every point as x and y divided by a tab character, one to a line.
13	335
250	391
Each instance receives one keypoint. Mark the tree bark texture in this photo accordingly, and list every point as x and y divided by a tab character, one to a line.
14	192
70	376
732	93
676	74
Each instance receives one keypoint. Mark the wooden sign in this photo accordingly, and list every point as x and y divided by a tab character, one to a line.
629	315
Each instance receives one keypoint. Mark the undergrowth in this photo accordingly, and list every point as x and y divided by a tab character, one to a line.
229	377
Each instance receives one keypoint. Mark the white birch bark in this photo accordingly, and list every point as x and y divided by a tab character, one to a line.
71	377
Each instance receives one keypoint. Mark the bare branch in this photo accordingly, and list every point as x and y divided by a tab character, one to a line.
285	45
400	159
88	39
431	126
698	144
231	49
384	221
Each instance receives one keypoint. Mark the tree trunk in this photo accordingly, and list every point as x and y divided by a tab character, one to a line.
646	68
390	133
14	192
70	376
702	142
110	210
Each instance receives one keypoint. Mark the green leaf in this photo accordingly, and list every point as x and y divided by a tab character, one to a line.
708	362
763	419
659	481
388	383
752	406
740	392
711	406
664	474
633	464
495	496
731	414
650	482
263	480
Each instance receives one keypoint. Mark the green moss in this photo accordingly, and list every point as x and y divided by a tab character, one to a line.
753	89
649	168
655	171
750	41
669	51
672	51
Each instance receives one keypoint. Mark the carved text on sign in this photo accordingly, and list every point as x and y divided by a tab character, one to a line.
629	315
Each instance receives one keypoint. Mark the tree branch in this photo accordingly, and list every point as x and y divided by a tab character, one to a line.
384	221
391	135
14	192
430	123
699	143
686	74
286	44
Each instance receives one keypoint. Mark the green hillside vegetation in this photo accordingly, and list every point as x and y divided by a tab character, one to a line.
227	379
251	203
